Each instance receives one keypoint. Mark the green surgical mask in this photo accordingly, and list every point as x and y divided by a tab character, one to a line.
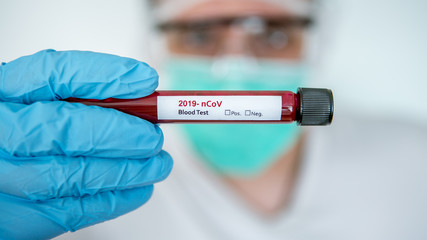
238	149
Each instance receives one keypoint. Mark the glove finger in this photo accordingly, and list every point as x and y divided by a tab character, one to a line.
73	129
50	75
50	177
25	219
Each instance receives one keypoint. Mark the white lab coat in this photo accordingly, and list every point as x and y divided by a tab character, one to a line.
360	179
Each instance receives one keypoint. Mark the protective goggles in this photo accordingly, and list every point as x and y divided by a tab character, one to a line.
259	36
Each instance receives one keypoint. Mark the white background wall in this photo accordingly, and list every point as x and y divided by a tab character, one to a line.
109	26
375	61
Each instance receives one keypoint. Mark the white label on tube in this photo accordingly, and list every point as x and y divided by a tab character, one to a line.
231	108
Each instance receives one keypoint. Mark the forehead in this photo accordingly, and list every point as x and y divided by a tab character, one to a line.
193	10
233	8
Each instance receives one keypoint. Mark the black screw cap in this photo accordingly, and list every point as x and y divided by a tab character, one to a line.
316	106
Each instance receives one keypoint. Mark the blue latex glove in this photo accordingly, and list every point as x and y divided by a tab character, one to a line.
65	166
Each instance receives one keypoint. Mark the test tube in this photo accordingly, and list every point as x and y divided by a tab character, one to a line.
309	106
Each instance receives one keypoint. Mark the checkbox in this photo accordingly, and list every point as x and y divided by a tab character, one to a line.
227	112
247	112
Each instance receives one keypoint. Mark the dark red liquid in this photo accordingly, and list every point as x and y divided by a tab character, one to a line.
146	107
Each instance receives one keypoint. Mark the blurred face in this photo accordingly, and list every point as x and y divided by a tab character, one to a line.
259	29
236	45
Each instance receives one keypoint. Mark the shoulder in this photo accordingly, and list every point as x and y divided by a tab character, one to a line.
382	136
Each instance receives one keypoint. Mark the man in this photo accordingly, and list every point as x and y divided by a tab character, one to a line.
348	181
242	45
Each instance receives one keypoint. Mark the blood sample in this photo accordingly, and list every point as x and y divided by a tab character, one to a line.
309	106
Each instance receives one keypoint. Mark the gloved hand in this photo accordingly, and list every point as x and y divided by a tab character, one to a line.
65	166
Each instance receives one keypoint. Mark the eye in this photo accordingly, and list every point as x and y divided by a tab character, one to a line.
273	38
199	38
277	39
